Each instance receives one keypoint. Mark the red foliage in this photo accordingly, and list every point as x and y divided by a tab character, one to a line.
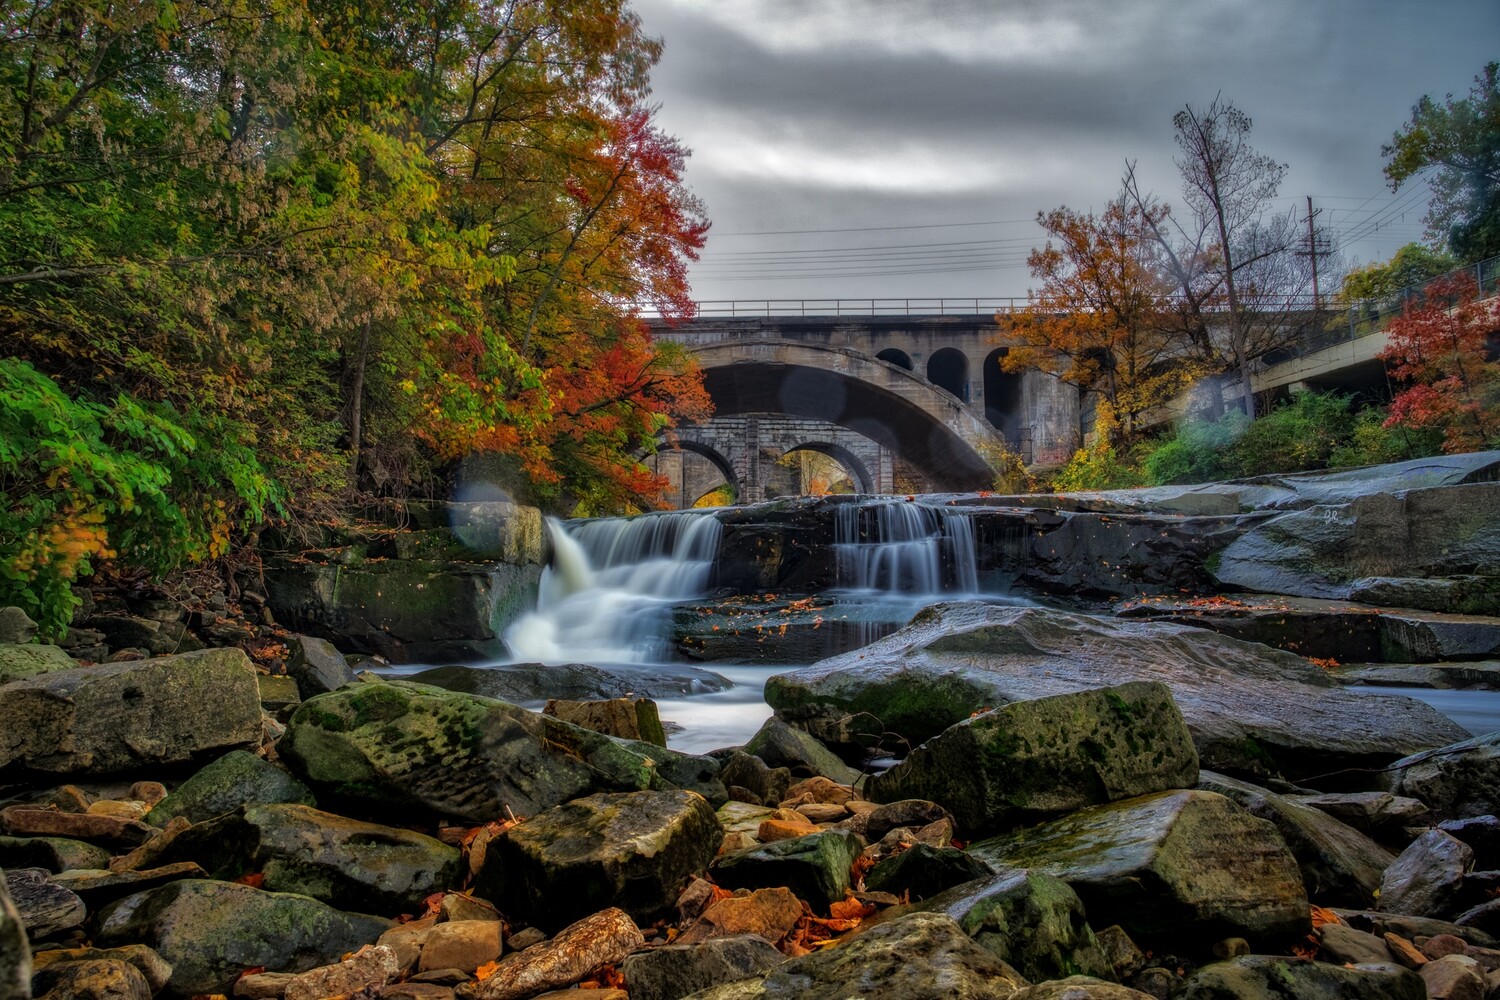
1440	349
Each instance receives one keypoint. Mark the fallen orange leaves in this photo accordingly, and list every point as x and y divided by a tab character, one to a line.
486	970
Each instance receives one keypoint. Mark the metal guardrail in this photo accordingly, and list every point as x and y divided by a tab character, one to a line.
1486	274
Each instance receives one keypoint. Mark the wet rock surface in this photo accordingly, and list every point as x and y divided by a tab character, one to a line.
1250	709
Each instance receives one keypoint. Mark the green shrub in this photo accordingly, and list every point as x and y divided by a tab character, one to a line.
1373	443
1297	435
1197	451
82	481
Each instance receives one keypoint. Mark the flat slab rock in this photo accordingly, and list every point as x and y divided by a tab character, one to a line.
1250	709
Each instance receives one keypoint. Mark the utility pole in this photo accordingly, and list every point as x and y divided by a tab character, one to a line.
1317	246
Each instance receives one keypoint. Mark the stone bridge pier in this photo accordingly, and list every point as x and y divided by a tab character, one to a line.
743	450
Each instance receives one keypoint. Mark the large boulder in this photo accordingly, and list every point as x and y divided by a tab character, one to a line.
18	661
210	932
603	938
1274	977
316	666
343	862
1168	867
1031	920
633	850
404	745
1329	550
1454	782
1428	877
1250	709
918	956
1340	865
236	779
122	716
1031	760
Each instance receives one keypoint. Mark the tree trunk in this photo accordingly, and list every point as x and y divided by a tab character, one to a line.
356	402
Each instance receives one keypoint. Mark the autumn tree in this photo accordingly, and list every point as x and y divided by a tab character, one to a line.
1443	352
1240	289
1098	320
1458	141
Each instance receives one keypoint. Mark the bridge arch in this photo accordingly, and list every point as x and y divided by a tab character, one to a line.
864	481
922	425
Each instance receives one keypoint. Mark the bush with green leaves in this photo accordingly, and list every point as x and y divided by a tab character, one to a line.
138	482
1195	452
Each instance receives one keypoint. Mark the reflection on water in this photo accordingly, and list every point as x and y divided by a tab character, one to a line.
1476	711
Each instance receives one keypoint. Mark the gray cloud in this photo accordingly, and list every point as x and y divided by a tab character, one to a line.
858	113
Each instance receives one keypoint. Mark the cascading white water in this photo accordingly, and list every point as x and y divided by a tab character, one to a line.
891	546
607	596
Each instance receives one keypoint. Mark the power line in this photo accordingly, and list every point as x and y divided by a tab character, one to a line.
875	229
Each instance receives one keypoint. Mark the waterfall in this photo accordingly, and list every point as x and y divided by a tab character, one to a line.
607	596
901	547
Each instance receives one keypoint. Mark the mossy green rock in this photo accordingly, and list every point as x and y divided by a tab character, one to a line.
633	850
923	870
1030	760
344	862
779	745
815	867
1168	867
1251	709
1031	920
1273	977
1340	866
19	661
123	716
916	956
238	778
56	854
410	746
210	932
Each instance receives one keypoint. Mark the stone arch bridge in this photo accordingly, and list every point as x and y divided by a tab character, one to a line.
919	398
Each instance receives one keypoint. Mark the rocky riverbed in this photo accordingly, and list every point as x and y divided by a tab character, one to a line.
1117	805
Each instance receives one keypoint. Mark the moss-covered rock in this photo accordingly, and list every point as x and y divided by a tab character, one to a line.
19	661
56	854
1270	977
923	870
815	867
1168	867
123	716
238	778
403	745
210	932
1029	760
632	850
917	956
343	862
1031	920
1340	865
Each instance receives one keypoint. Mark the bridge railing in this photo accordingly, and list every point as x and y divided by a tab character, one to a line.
857	307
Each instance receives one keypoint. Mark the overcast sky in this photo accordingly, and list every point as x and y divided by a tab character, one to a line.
933	131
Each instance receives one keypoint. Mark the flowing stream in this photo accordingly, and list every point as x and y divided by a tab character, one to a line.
608	595
607	599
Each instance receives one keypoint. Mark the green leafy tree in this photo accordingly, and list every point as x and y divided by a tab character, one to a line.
1459	140
1409	267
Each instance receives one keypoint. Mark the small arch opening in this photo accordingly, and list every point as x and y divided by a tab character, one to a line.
1002	397
818	469
896	357
949	369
